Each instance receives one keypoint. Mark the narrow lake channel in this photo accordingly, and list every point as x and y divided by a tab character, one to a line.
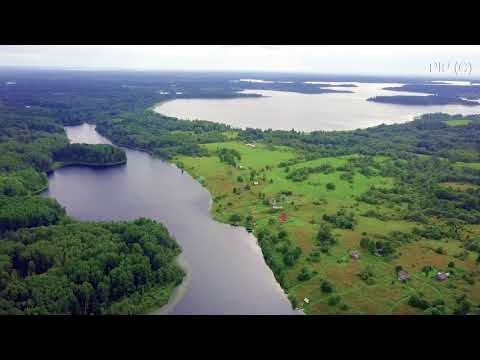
227	273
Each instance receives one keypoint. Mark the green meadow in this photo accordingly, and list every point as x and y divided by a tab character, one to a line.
459	122
255	191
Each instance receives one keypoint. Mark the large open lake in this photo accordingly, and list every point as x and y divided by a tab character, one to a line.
227	272
307	112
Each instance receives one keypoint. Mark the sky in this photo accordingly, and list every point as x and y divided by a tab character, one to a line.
404	60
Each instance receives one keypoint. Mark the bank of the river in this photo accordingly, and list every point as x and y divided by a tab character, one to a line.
226	273
257	192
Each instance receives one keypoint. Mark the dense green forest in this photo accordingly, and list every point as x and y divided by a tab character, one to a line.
87	268
51	264
163	136
90	154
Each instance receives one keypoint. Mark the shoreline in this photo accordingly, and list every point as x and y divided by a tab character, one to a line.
61	164
180	290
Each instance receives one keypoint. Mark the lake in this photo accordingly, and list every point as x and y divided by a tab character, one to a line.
307	112
227	272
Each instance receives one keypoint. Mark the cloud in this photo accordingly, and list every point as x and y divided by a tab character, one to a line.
401	60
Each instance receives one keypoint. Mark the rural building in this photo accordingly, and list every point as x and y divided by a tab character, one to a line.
306	300
355	254
441	276
403	275
277	207
255	183
283	217
251	145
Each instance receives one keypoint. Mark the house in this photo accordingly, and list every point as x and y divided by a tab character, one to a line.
277	207
306	300
283	217
251	145
355	254
255	183
441	276
403	275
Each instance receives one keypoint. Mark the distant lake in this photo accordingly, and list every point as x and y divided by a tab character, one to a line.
307	112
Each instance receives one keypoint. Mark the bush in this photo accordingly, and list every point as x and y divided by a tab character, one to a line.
330	186
305	274
334	300
326	287
417	302
235	218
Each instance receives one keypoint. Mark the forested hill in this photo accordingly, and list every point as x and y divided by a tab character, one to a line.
51	264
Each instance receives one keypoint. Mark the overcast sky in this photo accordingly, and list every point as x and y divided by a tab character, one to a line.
379	59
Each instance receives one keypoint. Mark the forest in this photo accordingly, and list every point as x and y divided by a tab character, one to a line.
100	154
87	268
52	264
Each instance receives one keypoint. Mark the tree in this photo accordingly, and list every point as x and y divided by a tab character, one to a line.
326	287
330	186
325	236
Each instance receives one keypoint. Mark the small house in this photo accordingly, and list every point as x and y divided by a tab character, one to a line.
255	183
355	254
277	207
251	145
403	275
283	217
442	276
306	300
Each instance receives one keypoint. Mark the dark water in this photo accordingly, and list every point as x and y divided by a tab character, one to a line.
227	273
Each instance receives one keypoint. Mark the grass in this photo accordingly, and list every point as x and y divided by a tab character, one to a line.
459	122
308	202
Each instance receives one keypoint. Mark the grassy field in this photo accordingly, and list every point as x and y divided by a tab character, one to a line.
459	122
305	202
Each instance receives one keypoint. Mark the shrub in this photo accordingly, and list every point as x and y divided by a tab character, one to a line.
334	300
326	287
417	302
305	274
235	218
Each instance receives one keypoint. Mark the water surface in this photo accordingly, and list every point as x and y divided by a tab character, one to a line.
308	112
227	273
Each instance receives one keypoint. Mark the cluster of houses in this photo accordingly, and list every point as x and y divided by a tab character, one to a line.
403	276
